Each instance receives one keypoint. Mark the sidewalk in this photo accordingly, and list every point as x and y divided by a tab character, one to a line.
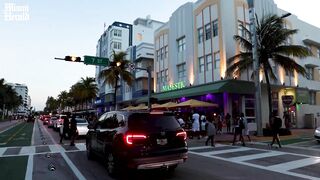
228	138
4	124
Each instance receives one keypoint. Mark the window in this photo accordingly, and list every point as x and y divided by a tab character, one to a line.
139	85
181	44
158	55
310	74
249	105
318	52
209	62
289	73
110	122
217	60
200	35
162	76
181	71
166	52
161	53
166	75
116	45
215	28
201	64
158	78
208	31
139	37
312	96
117	33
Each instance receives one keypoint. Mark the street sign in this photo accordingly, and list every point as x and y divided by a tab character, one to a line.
98	61
287	100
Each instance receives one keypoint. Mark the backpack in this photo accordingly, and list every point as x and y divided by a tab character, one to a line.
241	124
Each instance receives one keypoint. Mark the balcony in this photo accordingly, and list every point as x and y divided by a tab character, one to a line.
141	74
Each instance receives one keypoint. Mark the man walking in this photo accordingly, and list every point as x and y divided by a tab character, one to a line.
64	129
275	126
211	131
73	130
239	126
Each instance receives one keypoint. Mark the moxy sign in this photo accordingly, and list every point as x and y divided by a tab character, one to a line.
175	86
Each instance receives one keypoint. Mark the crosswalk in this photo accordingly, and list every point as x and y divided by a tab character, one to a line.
297	165
41	149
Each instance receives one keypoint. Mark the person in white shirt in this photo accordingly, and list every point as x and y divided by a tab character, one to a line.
196	124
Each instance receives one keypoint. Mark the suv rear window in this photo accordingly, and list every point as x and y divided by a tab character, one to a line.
152	122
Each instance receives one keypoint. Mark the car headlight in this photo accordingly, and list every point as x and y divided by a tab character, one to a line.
317	131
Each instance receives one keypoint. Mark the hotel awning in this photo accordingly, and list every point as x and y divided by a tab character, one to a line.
229	86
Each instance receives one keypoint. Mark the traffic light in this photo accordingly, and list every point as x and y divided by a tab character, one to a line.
72	58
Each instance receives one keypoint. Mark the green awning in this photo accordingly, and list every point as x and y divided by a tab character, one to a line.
229	86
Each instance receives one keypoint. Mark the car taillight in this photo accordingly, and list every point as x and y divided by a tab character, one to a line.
130	138
182	134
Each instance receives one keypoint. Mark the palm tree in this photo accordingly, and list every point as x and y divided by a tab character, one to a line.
116	71
272	46
89	88
62	99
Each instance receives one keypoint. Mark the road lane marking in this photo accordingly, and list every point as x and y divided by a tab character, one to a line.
81	146
11	126
295	164
66	158
256	156
27	150
29	170
11	137
2	150
33	131
282	168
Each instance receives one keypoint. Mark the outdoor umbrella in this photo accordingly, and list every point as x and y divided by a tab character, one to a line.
139	107
128	108
166	105
195	103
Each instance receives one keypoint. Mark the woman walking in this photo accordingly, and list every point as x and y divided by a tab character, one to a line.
211	131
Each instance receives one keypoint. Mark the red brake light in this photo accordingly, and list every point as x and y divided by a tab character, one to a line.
131	137
182	134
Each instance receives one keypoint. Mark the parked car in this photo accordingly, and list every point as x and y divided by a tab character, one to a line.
137	140
317	134
59	121
46	119
51	121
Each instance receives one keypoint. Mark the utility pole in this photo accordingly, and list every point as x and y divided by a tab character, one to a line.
256	67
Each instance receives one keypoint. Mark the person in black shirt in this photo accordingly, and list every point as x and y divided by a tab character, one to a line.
73	130
275	126
64	129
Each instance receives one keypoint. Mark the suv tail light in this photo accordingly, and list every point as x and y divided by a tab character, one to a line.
130	138
182	134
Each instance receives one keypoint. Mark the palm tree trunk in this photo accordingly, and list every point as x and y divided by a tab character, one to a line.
269	95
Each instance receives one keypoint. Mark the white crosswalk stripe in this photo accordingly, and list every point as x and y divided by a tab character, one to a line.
27	150
230	155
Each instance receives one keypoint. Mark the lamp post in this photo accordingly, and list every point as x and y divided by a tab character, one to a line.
255	67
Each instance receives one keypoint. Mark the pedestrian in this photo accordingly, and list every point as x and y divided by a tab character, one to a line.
245	131
220	124
181	121
203	122
73	130
64	129
228	122
211	131
196	125
239	126
276	124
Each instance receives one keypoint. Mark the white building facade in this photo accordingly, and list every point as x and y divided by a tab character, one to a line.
22	90
191	52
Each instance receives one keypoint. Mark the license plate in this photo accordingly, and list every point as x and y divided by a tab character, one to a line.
162	141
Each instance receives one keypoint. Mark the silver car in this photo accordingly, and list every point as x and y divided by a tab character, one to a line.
317	134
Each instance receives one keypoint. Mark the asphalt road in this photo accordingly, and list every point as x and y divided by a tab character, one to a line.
47	159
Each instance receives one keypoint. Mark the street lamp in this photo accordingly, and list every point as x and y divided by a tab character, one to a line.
256	66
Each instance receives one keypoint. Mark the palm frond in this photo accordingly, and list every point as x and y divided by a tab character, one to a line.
293	50
245	43
241	55
289	64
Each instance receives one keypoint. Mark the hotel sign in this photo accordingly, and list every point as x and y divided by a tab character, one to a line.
175	86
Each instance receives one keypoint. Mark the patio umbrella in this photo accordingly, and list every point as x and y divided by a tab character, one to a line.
195	103
140	107
128	108
165	105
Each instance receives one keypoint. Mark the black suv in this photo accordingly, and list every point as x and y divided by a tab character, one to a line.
137	140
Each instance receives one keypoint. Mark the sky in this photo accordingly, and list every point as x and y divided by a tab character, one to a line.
56	28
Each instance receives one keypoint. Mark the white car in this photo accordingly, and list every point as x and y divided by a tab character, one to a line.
317	134
82	126
57	124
